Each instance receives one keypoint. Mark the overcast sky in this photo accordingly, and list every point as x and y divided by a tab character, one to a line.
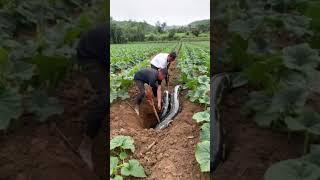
173	12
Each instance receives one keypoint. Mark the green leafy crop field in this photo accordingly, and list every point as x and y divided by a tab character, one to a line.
191	70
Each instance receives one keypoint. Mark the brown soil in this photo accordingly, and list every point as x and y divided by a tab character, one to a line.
35	151
166	154
251	149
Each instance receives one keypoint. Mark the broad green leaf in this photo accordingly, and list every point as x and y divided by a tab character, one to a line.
294	79
123	155
203	155
113	164
300	57
313	156
299	25
205	132
205	100
244	27
20	70
201	116
133	168
258	101
10	106
203	79
264	119
288	97
314	148
51	68
259	46
307	121
124	142
117	177
293	170
43	106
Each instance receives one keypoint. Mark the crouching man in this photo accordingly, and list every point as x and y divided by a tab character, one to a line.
151	77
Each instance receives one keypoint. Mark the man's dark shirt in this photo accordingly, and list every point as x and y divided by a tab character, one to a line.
93	45
149	76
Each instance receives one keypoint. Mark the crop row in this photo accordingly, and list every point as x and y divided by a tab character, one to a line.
128	59
194	65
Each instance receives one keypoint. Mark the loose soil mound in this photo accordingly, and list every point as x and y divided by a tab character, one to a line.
35	151
167	154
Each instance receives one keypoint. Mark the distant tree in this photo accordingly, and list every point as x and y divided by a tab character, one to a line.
116	33
204	27
195	32
151	37
163	26
189	26
158	27
171	34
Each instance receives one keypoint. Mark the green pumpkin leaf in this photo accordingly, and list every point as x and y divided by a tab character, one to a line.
203	155
20	70
133	168
300	57
293	170
43	106
201	116
113	164
205	132
307	121
264	119
124	142
296	24
313	156
203	79
288	97
123	155
117	177
244	27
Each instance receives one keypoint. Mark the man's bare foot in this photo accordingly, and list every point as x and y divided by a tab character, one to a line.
85	151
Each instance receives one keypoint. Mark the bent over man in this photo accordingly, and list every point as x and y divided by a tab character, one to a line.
152	78
163	61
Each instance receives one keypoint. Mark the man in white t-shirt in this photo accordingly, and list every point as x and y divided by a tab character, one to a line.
162	61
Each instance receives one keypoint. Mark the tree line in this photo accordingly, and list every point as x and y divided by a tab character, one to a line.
132	31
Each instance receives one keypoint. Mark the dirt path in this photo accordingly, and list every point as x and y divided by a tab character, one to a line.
35	151
251	149
171	155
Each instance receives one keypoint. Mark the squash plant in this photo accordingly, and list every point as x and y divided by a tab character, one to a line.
202	152
305	168
120	163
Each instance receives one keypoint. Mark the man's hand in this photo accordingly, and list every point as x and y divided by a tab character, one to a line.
148	96
149	101
159	97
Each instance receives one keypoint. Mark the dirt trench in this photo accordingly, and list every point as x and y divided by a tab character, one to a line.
166	154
